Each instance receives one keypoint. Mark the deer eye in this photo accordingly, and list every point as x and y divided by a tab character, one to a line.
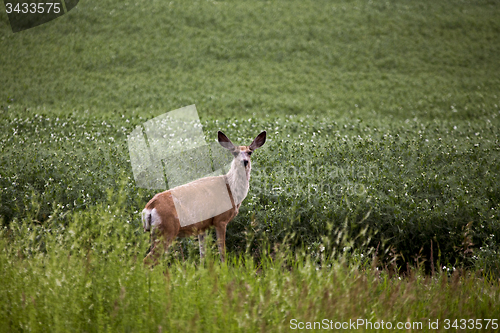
249	153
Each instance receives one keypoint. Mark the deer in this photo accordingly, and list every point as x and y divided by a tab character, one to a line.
191	209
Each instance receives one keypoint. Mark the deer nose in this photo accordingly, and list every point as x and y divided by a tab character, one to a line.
245	163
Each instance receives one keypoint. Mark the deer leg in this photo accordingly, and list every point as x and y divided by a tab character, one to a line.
203	244
155	253
221	240
152	242
150	259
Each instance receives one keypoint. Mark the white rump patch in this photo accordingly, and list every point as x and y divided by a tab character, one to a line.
201	199
150	218
155	218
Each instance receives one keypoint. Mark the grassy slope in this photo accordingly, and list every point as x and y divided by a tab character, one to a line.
235	58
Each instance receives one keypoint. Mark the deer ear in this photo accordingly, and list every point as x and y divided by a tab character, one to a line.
224	141
259	141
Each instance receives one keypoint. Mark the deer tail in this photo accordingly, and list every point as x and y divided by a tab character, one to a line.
146	219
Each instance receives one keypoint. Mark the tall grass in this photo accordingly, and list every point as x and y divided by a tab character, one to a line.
87	275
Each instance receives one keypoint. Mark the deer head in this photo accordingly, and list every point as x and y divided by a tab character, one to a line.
242	153
238	176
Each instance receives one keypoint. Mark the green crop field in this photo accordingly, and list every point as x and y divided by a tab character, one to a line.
376	196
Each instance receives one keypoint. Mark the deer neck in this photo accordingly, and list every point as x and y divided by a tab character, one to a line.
238	179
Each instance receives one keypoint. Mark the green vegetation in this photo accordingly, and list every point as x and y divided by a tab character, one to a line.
383	139
236	58
88	277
